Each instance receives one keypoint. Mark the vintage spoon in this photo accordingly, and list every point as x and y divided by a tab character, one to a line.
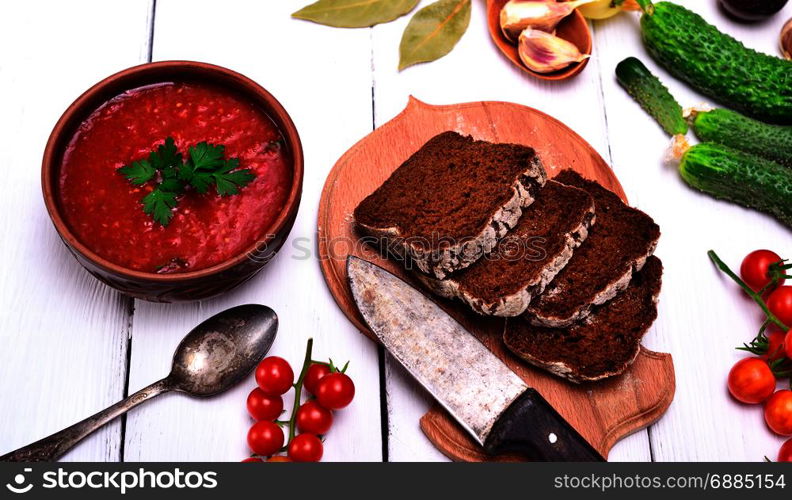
212	358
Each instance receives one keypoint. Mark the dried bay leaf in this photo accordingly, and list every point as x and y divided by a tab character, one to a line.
433	31
355	13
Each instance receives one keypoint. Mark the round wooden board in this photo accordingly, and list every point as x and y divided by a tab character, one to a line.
602	412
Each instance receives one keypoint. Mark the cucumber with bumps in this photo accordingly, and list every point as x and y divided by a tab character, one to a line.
739	177
716	64
652	95
723	126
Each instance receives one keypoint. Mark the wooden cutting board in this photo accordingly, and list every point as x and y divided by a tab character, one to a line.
603	412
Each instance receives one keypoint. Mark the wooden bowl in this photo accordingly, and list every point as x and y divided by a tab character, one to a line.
192	285
573	28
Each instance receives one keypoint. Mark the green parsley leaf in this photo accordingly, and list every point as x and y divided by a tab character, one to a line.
205	167
171	185
228	179
166	156
200	181
160	204
230	182
138	172
165	159
205	156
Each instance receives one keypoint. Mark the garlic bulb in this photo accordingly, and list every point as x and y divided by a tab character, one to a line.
544	15
545	53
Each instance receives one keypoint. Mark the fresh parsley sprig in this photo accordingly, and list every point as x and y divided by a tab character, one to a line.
204	167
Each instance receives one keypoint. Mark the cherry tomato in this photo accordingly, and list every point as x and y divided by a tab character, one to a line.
780	304
788	344
335	391
314	419
274	376
755	266
776	341
263	407
265	438
279	458
315	373
306	448
778	413
785	453
751	381
252	459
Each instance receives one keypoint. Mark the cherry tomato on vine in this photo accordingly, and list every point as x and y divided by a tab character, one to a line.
279	458
252	459
785	453
313	418
274	376
751	381
314	374
335	391
780	303
755	267
778	413
260	406
265	438
788	344
306	448
776	346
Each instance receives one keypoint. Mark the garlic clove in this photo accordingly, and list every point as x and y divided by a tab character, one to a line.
544	53
517	15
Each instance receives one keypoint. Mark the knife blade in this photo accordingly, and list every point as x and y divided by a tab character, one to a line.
488	399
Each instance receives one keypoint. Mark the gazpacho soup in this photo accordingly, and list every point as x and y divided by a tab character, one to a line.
174	177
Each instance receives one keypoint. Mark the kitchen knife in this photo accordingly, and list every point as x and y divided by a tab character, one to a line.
488	399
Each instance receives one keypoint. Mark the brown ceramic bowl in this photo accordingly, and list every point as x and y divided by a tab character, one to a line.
192	285
573	28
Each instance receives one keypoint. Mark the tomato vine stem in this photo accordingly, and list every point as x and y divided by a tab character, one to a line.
298	391
754	295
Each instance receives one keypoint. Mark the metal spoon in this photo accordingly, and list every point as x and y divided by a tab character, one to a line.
213	357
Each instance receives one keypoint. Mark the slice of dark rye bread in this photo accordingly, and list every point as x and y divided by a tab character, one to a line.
617	245
525	260
450	202
602	345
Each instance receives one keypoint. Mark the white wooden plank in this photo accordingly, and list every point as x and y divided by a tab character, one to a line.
323	78
57	313
703	316
474	71
64	334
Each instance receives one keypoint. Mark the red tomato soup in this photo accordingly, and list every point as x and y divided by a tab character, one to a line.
103	209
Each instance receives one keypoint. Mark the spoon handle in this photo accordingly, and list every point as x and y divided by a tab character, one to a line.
52	447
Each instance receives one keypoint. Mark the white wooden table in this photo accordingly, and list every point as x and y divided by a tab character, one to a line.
71	346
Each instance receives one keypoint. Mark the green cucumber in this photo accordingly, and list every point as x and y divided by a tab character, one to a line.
739	177
716	64
723	126
652	95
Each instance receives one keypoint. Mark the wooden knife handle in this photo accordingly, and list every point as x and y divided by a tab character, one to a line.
531	427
